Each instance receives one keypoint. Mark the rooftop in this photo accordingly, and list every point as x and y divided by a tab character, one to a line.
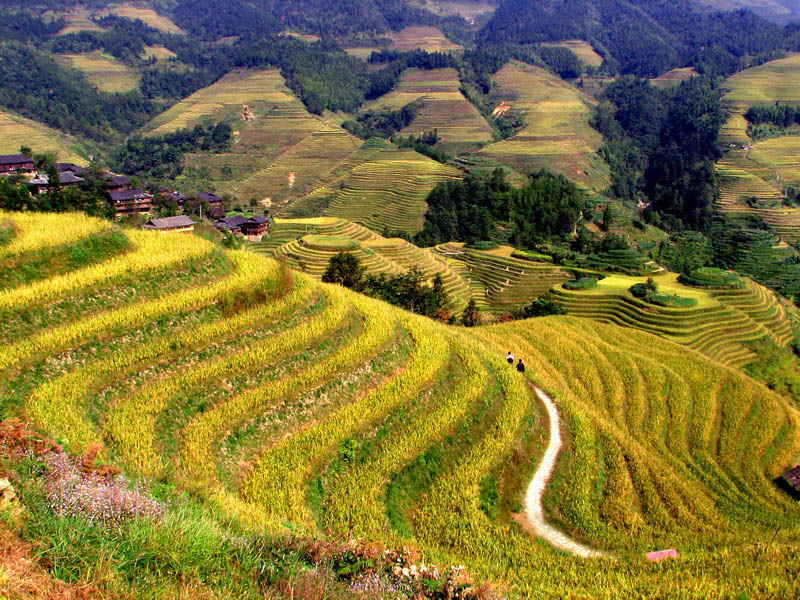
169	222
127	195
793	477
14	159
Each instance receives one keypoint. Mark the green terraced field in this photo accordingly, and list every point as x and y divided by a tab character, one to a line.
460	125
557	135
308	245
283	153
16	131
720	325
311	414
775	81
105	72
384	188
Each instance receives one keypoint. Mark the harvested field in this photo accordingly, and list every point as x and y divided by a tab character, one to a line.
582	49
105	72
16	131
425	38
78	19
557	135
158	52
469	9
459	123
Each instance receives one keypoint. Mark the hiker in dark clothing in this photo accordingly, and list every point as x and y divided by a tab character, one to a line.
510	358
521	366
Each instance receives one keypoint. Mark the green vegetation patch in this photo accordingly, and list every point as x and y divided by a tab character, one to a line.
670	300
583	283
534	256
712	277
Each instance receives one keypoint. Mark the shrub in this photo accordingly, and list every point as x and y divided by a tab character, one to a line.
584	283
671	300
482	245
541	307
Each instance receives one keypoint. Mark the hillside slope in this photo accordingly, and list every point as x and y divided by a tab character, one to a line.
283	403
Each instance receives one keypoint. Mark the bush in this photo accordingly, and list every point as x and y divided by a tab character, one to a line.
712	278
541	307
671	301
584	283
482	245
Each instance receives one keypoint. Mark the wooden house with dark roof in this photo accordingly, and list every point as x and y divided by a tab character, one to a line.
179	224
215	204
72	168
255	227
16	164
115	183
130	202
41	182
232	224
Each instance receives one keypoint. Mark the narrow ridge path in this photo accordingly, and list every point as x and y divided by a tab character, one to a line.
533	497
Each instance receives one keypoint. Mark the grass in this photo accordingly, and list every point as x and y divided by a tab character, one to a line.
423	37
338	408
105	72
582	49
16	131
460	125
557	135
282	154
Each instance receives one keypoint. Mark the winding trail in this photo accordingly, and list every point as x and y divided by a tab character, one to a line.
533	497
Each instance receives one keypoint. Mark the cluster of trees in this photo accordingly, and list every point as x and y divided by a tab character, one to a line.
385	122
25	26
162	156
88	198
352	21
424	144
36	86
663	144
644	38
409	291
546	206
123	39
780	115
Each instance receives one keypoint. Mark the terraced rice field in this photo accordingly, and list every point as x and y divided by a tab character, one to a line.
445	109
557	135
283	152
781	154
743	179
469	9
145	14
158	52
77	19
499	282
674	77
424	38
720	326
105	72
385	188
247	400
775	81
16	131
582	49
308	245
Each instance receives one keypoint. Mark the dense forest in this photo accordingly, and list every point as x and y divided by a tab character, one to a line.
662	145
471	210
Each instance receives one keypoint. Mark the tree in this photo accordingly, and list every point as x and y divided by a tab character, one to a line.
471	315
344	269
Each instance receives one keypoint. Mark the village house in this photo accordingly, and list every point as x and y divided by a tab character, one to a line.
72	168
232	224
215	205
130	202
255	227
41	182
115	183
179	224
16	164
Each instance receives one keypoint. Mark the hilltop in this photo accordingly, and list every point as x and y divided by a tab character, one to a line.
291	408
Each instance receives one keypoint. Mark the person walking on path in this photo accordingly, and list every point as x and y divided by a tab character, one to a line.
510	358
521	366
